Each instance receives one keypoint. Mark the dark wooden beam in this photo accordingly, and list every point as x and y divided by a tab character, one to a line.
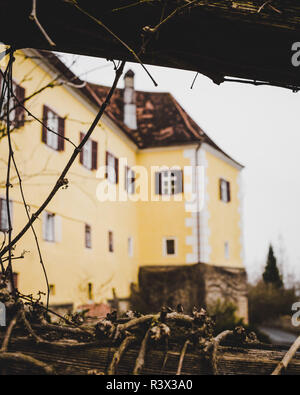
217	38
248	360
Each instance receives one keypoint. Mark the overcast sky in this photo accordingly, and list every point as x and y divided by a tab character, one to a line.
257	126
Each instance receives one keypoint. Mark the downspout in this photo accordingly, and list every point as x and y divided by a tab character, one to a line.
198	203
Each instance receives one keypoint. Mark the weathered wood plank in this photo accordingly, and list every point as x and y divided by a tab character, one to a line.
231	360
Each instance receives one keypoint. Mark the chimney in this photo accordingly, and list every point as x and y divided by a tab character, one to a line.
129	101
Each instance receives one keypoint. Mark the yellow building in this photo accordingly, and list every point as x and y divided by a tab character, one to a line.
149	189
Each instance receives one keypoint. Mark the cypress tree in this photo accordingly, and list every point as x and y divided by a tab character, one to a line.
271	274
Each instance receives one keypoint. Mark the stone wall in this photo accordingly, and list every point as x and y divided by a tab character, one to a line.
193	285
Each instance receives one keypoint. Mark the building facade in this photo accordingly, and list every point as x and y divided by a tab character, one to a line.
150	188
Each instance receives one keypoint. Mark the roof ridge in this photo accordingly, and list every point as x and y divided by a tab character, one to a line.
187	133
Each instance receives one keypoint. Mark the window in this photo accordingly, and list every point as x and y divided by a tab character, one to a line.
56	124
169	246
110	242
15	280
112	168
226	250
52	289
88	236
16	112
89	154
130	246
169	182
224	190
90	291
4	223
129	180
49	227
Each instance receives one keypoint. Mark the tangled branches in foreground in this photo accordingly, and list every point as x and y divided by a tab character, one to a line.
171	330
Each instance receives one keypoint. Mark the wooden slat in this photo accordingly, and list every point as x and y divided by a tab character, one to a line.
231	360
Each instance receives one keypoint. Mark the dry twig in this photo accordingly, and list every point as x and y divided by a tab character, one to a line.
33	17
287	358
215	344
119	353
182	354
8	333
61	180
19	358
140	361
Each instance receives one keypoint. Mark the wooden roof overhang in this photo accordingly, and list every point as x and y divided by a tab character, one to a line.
249	40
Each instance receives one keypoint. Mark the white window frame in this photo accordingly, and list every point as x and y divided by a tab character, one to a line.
4	225
130	246
168	182
52	124
111	169
87	155
226	250
130	181
225	185
165	239
49	225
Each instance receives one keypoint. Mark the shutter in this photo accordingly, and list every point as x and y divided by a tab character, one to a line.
179	181
57	228
106	164
44	224
158	183
20	113
81	152
228	191
1	202
117	169
132	180
45	118
86	236
94	155
126	185
220	188
11	212
61	131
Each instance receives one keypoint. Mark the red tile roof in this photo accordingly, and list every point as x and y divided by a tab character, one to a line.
161	120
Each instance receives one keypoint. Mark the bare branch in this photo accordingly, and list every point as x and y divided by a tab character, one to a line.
287	358
8	333
140	361
33	17
182	354
119	353
61	180
22	359
216	342
100	23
